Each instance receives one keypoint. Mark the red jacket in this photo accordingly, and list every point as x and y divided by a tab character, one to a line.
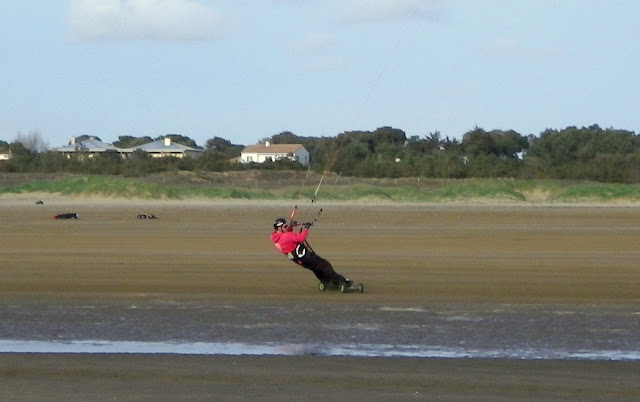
286	242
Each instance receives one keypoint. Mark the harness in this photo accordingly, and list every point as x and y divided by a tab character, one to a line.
298	253
303	255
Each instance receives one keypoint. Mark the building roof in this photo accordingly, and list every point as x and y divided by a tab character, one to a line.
91	145
272	148
165	145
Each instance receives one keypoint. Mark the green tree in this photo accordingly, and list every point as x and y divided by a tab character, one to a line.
137	164
180	139
224	148
127	141
22	161
214	161
85	137
587	153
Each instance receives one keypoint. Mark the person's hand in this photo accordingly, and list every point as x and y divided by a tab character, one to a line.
307	225
294	223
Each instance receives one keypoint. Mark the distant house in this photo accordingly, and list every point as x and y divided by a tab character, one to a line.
274	152
157	149
166	147
5	155
91	147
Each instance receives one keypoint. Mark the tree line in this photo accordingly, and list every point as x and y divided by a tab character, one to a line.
587	153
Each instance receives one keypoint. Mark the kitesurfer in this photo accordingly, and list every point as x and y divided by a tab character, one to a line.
294	245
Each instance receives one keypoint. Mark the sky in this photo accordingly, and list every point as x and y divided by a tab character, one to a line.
245	70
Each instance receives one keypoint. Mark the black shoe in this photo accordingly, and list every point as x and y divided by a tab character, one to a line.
348	283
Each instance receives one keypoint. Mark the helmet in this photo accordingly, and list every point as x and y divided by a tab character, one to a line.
279	223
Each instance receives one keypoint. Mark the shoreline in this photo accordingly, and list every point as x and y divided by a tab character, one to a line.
271	349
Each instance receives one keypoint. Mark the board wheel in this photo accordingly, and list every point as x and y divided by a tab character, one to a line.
343	288
322	286
360	288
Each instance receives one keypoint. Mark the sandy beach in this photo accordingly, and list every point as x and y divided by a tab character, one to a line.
522	280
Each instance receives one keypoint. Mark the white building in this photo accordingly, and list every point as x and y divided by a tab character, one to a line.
274	152
5	155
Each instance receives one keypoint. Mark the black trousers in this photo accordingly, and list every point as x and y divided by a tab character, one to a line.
321	268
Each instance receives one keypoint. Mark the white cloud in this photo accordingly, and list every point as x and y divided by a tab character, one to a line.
359	11
161	20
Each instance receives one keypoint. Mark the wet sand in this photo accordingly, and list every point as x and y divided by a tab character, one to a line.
245	378
429	257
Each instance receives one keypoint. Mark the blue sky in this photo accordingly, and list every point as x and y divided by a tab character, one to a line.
244	70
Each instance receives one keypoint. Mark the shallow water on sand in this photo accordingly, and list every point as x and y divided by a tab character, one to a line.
602	332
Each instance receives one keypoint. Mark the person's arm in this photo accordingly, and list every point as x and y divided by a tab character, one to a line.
302	236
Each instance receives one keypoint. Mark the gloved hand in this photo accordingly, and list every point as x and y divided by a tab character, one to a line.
307	225
294	223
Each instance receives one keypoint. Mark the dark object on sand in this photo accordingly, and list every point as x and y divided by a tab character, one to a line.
39	202
147	216
66	215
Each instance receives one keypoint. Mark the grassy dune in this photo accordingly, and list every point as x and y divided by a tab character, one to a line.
301	185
